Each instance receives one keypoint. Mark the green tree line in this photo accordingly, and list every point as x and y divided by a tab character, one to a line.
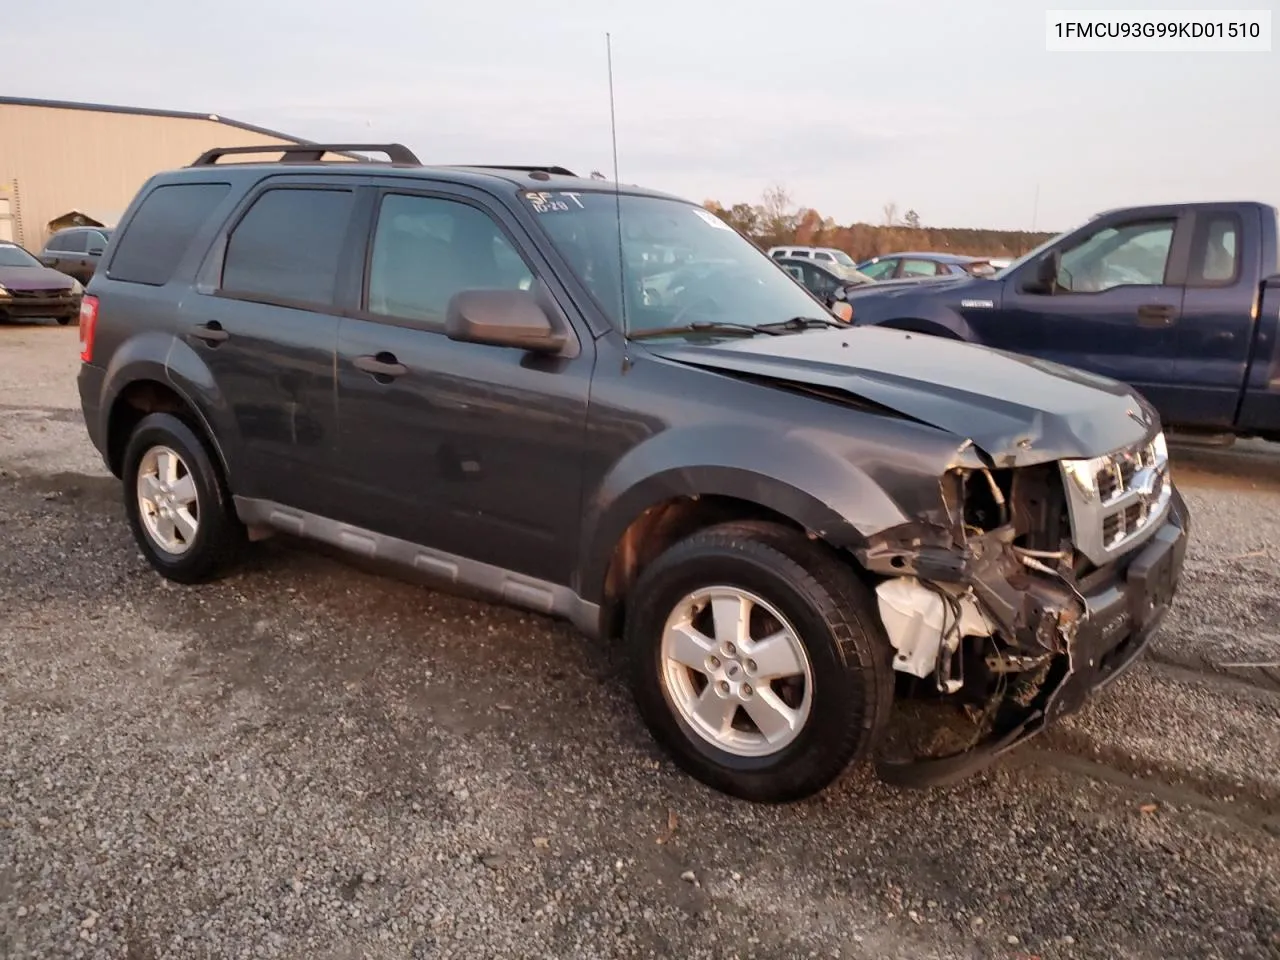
777	221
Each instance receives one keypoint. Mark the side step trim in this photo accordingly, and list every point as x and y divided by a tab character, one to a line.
522	591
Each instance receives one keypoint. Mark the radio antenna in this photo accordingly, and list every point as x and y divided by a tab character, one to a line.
617	191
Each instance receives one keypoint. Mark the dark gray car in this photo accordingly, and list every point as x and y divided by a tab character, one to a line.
76	251
816	543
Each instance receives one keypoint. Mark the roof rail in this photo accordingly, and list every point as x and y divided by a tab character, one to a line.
561	171
311	152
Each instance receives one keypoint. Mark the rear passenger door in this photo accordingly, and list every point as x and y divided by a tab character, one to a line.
470	449
266	326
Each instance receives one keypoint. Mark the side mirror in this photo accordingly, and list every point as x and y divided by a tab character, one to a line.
1045	279
502	318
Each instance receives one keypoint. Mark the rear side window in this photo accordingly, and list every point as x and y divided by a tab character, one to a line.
157	237
71	242
286	247
1215	251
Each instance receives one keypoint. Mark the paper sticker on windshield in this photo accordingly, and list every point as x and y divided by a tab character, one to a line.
547	202
712	219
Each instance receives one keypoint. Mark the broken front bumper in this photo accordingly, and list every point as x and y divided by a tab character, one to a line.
1124	612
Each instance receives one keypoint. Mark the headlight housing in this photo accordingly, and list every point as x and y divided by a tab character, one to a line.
77	288
4	291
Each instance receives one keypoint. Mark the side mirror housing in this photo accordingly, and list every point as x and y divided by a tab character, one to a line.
502	318
1045	278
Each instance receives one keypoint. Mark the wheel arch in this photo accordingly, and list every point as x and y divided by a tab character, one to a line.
141	379
673	504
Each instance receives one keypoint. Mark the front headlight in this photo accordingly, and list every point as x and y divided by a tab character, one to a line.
1160	447
1084	474
77	288
4	291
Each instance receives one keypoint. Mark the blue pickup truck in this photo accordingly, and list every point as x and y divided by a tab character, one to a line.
1180	301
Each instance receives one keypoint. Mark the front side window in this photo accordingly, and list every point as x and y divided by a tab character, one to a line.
675	263
843	258
1118	255
426	249
824	256
286	248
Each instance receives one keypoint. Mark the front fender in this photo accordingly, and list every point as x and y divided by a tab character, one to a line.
791	474
918	314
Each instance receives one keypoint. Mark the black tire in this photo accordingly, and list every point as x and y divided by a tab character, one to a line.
834	614
219	537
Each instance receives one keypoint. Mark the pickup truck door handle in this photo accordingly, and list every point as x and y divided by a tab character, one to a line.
210	332
383	365
1157	315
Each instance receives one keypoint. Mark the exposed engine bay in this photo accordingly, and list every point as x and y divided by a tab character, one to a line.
997	617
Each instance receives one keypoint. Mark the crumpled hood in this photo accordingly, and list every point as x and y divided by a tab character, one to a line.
1018	410
34	278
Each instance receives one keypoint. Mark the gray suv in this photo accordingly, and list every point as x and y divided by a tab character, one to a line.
818	544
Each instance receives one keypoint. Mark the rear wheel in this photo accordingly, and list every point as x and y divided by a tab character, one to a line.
177	503
758	661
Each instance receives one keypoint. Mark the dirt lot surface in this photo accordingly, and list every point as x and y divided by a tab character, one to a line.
308	760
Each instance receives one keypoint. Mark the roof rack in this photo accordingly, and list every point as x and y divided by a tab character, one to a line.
561	171
312	152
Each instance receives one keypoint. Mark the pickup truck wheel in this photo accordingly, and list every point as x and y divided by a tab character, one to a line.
178	507
758	661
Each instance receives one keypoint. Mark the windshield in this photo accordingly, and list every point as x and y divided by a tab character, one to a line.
11	256
683	264
1032	254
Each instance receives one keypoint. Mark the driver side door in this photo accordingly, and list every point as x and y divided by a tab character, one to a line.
1116	308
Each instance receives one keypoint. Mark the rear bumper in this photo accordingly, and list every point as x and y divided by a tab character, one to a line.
89	382
1124	614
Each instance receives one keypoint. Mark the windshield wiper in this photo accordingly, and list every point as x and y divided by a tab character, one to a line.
705	326
801	323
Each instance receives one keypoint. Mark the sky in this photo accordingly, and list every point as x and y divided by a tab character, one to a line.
952	109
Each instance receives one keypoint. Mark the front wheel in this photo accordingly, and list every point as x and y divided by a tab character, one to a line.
758	661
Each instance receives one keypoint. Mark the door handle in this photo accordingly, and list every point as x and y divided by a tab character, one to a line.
382	365
1157	315
210	332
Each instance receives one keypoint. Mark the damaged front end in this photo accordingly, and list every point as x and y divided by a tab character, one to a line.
1028	589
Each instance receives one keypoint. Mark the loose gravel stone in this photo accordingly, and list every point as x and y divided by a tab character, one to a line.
307	759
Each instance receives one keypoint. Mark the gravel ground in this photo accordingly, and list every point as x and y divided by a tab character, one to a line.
311	760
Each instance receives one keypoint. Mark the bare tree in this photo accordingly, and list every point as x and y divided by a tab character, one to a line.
890	213
911	219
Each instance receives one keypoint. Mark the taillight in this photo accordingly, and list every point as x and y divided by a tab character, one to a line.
88	325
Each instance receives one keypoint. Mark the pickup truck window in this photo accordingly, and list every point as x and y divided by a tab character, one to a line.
1118	255
1214	257
880	269
919	268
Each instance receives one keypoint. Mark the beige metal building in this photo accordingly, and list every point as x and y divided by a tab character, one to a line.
65	164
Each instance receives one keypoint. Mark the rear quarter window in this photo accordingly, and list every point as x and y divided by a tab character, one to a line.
157	237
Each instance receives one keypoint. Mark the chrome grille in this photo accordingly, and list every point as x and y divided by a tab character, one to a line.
1118	500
